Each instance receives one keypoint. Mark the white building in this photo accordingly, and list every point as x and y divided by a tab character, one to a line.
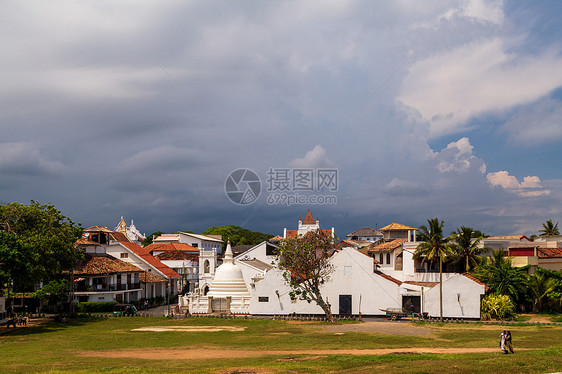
227	293
306	225
131	231
203	242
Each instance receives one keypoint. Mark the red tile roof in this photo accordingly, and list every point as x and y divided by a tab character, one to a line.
549	252
171	246
146	256
104	264
386	276
308	219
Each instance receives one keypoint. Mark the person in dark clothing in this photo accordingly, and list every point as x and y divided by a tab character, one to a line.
508	344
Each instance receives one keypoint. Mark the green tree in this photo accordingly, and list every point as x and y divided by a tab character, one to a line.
148	240
237	235
305	262
541	287
16	260
549	229
54	292
434	247
465	247
500	277
50	235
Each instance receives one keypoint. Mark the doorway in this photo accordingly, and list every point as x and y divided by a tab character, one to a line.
345	304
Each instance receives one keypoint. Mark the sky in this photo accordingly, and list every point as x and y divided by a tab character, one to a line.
142	109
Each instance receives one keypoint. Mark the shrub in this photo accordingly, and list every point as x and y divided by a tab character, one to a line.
498	307
93	307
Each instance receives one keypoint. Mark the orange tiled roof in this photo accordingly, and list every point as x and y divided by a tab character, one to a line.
308	219
397	226
97	229
276	238
549	252
172	246
386	276
145	255
388	246
104	264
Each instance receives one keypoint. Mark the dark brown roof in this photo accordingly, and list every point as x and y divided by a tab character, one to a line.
85	241
104	264
308	219
176	255
365	231
386	276
388	246
145	255
151	278
238	249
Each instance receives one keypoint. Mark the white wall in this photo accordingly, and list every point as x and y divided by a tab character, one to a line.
353	276
461	298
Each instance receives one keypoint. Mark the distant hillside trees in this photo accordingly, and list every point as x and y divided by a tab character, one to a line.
238	235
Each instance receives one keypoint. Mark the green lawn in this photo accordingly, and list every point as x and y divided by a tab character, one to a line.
58	348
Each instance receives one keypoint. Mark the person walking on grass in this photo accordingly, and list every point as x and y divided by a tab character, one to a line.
508	344
503	337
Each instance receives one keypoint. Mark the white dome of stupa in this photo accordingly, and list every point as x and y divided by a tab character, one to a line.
228	280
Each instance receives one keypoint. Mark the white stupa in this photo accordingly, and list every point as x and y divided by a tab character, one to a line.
228	281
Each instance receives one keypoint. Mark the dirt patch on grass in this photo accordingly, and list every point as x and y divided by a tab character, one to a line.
190	328
245	371
208	354
394	328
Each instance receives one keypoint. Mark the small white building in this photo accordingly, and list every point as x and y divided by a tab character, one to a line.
227	293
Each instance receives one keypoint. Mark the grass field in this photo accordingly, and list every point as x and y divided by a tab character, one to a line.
110	345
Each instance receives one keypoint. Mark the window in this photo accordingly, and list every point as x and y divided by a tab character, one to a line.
381	259
124	255
270	250
347	270
263	299
206	267
194	245
388	258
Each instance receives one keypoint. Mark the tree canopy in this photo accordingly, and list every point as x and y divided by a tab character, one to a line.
40	237
465	247
305	262
549	229
238	235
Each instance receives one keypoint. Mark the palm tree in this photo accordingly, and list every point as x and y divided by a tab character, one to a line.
549	229
541	285
502	279
465	247
434	246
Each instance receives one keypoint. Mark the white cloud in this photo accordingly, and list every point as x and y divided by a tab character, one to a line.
530	187
451	87
458	157
540	123
313	159
477	10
